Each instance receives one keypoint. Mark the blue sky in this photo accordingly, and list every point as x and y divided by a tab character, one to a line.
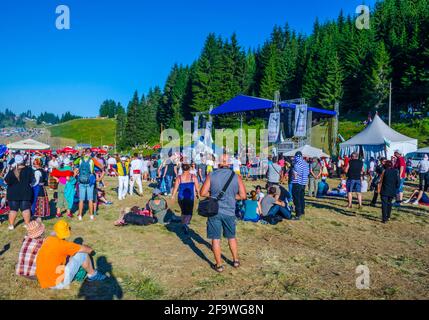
115	47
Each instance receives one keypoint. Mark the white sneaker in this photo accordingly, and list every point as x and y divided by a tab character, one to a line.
416	203
11	227
79	218
91	217
407	201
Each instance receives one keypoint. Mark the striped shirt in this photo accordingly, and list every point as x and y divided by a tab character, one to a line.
301	171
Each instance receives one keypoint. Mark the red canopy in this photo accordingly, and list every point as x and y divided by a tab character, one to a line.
67	150
156	147
98	150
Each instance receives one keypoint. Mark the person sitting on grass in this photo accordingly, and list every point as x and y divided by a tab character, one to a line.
418	197
259	194
271	205
252	208
26	266
158	207
322	188
59	261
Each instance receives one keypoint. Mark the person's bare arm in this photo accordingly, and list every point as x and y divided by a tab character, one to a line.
205	189
197	186
241	190
176	187
259	209
280	203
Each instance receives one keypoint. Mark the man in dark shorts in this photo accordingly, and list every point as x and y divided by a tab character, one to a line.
225	220
354	171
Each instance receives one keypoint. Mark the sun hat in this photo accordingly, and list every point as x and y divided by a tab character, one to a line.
35	229
124	159
62	229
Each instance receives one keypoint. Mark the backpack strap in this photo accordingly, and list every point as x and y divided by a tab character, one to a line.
222	193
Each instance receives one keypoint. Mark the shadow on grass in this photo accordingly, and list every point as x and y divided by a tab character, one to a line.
335	208
108	289
189	241
5	248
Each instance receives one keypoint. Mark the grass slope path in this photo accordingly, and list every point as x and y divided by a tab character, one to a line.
314	258
92	131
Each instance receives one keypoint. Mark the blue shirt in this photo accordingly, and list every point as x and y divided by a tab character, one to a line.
302	170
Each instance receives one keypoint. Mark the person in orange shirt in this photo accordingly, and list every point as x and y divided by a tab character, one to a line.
58	261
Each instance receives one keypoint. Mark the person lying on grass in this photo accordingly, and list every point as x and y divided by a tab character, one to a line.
418	197
134	217
59	261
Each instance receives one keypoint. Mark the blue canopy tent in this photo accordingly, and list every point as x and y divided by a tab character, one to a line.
242	103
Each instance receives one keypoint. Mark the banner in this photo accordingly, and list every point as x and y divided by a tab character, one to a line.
300	121
195	136
208	140
274	127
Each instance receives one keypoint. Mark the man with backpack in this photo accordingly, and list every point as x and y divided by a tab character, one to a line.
86	180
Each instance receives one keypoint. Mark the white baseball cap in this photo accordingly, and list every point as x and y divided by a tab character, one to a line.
19	159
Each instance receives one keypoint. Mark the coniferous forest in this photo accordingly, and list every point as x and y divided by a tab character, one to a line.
337	62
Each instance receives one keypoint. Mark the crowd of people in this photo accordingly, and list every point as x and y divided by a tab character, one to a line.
77	178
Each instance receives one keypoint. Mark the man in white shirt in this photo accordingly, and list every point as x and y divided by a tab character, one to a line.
136	171
53	164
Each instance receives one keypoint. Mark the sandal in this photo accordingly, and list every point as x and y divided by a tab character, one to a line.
219	269
236	264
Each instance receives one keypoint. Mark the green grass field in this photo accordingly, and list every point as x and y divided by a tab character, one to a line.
96	132
315	258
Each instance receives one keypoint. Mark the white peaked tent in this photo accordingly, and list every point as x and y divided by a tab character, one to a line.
308	152
28	144
378	140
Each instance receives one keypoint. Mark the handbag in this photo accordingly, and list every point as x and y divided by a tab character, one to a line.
209	207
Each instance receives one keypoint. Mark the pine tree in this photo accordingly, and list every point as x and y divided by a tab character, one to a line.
150	107
121	121
207	76
133	129
331	91
378	78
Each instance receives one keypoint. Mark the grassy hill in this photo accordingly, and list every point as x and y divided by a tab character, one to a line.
93	131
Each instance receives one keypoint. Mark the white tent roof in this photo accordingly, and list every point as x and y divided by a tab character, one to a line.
376	133
308	152
28	144
422	150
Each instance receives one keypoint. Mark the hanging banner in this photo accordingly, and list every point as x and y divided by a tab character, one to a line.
274	127
300	121
196	135
208	140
